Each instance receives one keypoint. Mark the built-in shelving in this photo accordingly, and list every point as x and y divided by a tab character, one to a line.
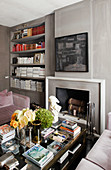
25	49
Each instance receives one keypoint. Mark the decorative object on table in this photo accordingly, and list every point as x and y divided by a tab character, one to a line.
23	136
45	117
36	131
59	136
54	107
55	146
72	53
6	133
39	155
20	119
91	119
30	143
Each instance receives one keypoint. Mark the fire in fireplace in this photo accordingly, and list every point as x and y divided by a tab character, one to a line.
73	102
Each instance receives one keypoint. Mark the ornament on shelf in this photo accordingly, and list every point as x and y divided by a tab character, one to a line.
54	107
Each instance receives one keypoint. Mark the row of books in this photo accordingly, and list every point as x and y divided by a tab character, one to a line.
28	85
30	71
24	47
37	59
29	32
6	133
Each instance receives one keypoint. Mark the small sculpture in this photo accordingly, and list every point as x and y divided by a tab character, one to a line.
54	107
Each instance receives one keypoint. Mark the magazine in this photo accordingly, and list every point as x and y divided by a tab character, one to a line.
55	147
39	155
70	124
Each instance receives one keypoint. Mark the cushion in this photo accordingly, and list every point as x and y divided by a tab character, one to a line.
4	91
87	165
101	151
6	99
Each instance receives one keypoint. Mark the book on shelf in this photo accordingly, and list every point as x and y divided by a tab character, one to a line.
55	146
6	131
47	132
69	123
39	155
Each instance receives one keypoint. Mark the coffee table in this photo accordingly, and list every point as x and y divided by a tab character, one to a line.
69	144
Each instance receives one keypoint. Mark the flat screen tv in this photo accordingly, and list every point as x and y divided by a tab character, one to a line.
72	53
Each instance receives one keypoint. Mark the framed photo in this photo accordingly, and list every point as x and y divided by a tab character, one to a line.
37	58
72	53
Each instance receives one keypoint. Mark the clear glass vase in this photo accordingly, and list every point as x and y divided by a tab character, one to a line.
23	136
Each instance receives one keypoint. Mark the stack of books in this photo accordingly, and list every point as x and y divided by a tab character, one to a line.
6	133
39	155
70	127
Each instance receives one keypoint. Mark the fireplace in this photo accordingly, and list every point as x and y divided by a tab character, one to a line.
93	91
73	102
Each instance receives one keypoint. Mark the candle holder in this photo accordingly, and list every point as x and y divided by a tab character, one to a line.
30	143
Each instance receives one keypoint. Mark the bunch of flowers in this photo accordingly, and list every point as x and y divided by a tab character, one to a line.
21	118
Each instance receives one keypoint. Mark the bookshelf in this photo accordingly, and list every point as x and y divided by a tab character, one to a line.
27	70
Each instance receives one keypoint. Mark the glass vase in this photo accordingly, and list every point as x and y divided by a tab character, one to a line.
36	131
23	136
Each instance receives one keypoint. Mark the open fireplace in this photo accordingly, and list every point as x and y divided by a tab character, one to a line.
74	94
73	102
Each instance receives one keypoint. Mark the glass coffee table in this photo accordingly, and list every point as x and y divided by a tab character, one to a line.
72	148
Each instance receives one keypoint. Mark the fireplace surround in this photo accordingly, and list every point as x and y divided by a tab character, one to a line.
95	87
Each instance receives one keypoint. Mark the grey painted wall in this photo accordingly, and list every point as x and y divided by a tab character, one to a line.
4	57
94	17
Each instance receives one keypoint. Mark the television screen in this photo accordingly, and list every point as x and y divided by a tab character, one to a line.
72	53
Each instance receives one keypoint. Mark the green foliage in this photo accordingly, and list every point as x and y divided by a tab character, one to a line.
45	116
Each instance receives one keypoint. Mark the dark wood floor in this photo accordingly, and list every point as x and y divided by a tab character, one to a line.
90	141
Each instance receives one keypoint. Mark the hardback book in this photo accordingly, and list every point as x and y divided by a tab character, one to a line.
70	124
47	132
6	131
55	146
39	155
57	124
74	132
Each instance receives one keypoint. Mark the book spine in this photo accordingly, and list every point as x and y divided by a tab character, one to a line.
65	128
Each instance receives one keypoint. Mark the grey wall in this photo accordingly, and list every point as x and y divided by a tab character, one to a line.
4	57
94	17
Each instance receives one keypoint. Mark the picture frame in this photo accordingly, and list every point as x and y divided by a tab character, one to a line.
37	57
72	53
